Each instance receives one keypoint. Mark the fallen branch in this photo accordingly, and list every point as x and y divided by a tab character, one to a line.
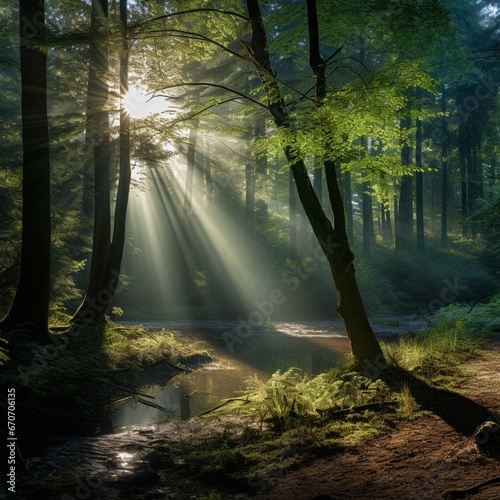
230	400
476	301
345	411
452	494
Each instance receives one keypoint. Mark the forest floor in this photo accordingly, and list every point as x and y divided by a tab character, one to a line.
418	460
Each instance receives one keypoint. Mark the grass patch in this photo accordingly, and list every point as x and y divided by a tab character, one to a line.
136	346
457	335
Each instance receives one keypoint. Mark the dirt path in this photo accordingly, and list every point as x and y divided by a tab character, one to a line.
417	461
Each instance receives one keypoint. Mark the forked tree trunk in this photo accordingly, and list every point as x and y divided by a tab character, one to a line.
111	277
30	307
332	239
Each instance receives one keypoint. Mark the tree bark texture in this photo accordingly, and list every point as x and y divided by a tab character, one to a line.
30	307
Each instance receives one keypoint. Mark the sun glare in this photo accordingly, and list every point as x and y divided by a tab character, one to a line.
140	105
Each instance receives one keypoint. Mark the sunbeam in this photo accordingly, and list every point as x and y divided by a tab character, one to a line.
197	260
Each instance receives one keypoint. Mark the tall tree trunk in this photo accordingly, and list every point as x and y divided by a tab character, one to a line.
367	205
97	64
404	226
30	307
434	202
94	303
463	175
386	223
419	194
332	238
479	161
473	163
444	170
111	277
368	227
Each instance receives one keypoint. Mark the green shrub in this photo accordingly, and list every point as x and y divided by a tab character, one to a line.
292	398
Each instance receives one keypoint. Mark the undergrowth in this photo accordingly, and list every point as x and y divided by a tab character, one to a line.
293	417
457	334
74	376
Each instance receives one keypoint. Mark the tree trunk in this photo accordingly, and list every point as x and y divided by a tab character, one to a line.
368	228
348	206
95	302
444	171
419	194
30	307
473	163
404	226
332	239
463	175
110	282
386	223
96	95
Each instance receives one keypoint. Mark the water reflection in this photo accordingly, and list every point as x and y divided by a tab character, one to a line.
313	347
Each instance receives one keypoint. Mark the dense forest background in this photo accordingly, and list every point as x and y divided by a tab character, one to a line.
165	96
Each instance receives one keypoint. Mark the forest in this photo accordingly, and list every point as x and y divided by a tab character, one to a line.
249	249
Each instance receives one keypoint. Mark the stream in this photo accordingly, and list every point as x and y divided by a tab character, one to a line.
131	462
240	354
